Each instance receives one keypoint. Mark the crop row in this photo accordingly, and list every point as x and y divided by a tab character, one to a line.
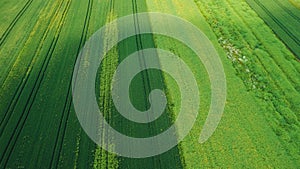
15	20
28	124
140	88
104	159
296	3
244	136
259	67
281	20
68	102
289	9
13	137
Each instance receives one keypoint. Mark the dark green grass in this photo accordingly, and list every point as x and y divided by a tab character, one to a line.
39	127
42	129
283	19
140	88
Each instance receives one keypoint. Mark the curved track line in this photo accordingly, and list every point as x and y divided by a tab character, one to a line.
282	27
14	137
287	10
24	80
13	23
68	102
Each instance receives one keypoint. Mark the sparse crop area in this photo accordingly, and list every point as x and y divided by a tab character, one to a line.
257	42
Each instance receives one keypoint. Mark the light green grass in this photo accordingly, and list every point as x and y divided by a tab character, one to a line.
245	136
295	3
39	127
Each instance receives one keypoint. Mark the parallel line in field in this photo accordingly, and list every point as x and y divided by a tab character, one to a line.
111	13
290	80
24	80
145	75
273	81
264	69
14	137
283	28
287	10
68	102
157	161
105	98
139	45
13	23
17	55
278	22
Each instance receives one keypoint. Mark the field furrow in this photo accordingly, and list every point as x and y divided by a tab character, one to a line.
21	85
289	33
261	61
258	43
142	85
278	23
22	39
68	102
15	20
25	112
287	10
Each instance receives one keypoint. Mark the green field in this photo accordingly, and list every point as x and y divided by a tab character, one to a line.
257	42
283	18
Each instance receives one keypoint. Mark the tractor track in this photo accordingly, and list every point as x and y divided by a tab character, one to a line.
109	104
291	35
156	161
287	10
290	80
264	68
282	27
25	78
68	102
21	122
17	54
13	23
139	45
